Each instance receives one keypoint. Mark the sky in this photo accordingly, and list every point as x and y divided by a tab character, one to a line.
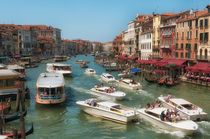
95	20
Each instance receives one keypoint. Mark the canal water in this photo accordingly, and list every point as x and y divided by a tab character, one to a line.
67	121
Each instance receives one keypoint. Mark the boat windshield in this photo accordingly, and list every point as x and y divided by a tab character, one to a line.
189	106
50	93
109	77
61	68
91	70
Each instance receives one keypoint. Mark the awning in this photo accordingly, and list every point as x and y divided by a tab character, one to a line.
200	67
135	70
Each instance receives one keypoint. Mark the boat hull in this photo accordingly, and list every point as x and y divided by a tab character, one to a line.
163	125
121	84
107	115
50	101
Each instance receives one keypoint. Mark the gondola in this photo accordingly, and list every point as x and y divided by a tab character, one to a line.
11	117
28	132
151	80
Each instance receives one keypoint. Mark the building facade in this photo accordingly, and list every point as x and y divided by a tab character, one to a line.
204	36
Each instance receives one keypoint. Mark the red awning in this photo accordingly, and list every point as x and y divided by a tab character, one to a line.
200	67
146	61
166	62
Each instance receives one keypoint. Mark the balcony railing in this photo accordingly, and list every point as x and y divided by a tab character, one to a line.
167	25
164	46
203	57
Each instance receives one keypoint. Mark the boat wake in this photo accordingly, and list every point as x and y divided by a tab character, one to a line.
178	134
145	93
204	127
80	89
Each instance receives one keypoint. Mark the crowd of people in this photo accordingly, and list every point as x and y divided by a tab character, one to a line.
170	115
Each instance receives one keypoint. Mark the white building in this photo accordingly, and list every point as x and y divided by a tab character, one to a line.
145	43
129	39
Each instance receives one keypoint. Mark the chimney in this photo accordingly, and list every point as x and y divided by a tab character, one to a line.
208	7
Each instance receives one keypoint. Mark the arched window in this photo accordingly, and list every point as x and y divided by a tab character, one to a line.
201	53
206	54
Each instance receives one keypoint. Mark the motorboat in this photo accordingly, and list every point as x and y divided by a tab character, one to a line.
80	61
108	110
129	84
65	69
83	65
187	109
158	117
106	77
125	74
50	88
107	92
18	69
90	71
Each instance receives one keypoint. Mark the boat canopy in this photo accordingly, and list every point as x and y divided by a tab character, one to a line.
58	64
179	101
8	73
15	66
50	80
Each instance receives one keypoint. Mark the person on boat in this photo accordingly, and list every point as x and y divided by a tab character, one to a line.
162	116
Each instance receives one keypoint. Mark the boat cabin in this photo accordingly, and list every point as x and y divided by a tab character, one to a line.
8	82
59	66
50	88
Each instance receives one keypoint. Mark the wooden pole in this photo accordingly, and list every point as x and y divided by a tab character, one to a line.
22	126
22	100
18	101
1	126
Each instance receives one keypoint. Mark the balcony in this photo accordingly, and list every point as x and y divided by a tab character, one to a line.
164	46
167	25
205	58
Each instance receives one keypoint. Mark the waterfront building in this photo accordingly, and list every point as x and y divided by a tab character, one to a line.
68	47
204	37
145	39
107	46
129	39
117	44
187	36
139	21
39	40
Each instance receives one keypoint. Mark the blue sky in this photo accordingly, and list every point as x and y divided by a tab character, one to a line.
99	20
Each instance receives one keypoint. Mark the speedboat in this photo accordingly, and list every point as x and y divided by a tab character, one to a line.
50	88
107	110
129	84
84	65
107	77
107	92
125	74
157	117
187	109
65	69
90	71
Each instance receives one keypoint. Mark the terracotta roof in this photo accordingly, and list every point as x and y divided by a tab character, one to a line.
193	16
